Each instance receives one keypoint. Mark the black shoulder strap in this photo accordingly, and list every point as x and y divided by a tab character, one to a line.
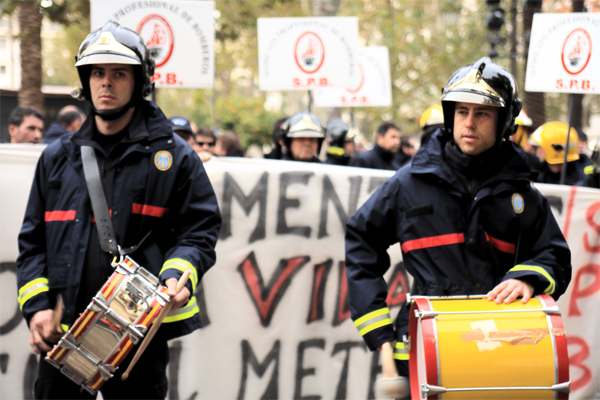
106	232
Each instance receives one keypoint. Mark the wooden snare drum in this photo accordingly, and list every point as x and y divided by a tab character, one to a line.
116	319
472	348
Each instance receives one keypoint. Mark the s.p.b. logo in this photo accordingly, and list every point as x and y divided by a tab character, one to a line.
158	35
576	51
163	160
309	52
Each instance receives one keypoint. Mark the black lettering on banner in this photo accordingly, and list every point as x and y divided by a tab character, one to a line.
201	301
17	317
286	179
342	387
4	362
302	372
266	298
30	376
375	370
375	182
249	358
173	373
556	203
315	312
259	194
330	194
342	308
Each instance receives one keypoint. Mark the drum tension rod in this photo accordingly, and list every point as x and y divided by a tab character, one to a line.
432	314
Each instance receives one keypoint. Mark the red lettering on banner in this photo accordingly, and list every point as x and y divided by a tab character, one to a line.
589	217
559	83
266	298
573	84
576	361
585	85
398	287
309	83
578	292
342	309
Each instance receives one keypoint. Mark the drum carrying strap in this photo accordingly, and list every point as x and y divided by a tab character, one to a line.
106	232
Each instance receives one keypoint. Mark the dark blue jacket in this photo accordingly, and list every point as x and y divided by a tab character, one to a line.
452	243
54	132
170	196
376	158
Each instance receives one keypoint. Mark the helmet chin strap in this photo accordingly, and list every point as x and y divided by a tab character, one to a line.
116	113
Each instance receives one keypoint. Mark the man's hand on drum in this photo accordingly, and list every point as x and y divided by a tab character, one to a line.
42	330
180	299
508	291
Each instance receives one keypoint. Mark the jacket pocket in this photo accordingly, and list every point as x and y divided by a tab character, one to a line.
421	210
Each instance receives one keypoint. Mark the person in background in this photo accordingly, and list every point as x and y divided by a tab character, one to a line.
584	162
340	148
383	154
551	139
205	143
68	120
182	127
302	138
25	125
407	150
228	145
277	151
431	120
522	138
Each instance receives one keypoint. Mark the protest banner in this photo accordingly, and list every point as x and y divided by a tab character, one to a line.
274	307
374	88
180	36
307	53
562	57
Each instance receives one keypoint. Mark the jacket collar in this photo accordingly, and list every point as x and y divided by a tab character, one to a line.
382	153
430	160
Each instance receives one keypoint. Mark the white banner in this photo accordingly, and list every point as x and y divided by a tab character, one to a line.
307	53
563	54
275	305
179	34
375	84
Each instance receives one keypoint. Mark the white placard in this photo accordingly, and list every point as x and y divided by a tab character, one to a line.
179	34
307	53
374	88
564	54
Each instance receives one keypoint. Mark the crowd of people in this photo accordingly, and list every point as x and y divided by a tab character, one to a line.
304	138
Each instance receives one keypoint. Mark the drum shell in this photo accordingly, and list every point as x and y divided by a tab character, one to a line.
448	351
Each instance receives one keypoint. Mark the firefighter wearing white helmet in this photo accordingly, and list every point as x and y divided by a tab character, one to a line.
149	179
551	140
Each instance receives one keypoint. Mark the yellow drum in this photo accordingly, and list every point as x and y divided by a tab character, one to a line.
472	348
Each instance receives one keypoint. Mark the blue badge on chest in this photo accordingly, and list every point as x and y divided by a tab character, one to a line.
518	203
163	160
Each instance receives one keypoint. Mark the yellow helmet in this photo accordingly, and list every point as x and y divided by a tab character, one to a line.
552	137
434	115
523	125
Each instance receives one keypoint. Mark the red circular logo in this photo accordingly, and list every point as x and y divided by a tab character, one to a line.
576	51
158	35
362	80
309	52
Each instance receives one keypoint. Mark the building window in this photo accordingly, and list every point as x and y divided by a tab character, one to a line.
2	70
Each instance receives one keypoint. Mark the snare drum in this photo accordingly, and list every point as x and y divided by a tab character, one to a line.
116	319
472	348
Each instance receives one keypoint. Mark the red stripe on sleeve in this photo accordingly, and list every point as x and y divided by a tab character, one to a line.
152	211
433	241
501	245
59	215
